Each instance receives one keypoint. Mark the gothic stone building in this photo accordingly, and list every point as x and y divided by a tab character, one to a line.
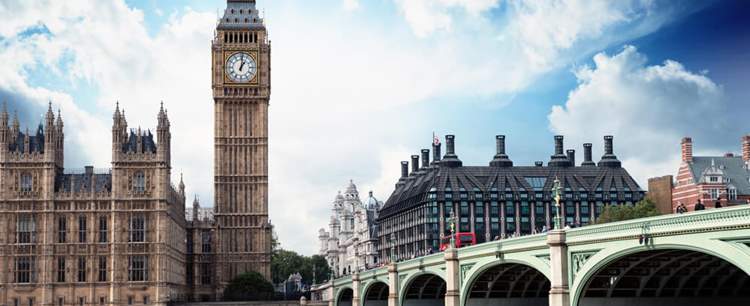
241	83
350	244
120	236
711	179
113	237
498	200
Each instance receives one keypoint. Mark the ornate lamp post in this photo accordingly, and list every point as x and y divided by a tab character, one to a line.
452	221
556	195
393	245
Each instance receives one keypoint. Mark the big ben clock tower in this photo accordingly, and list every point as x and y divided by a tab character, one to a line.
241	82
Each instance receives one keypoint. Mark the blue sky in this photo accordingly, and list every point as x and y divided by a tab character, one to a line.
360	85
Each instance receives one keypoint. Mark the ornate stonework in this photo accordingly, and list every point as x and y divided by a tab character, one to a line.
241	83
350	243
94	237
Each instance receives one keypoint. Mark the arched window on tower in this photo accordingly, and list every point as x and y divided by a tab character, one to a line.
139	182
26	182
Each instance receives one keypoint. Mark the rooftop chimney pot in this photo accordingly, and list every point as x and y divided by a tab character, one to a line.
425	158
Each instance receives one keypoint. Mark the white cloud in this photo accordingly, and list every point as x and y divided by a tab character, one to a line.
647	108
340	103
351	5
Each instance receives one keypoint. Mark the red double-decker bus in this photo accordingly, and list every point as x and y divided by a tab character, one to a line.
462	240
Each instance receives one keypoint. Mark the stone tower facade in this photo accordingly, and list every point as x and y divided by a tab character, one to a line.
241	83
89	237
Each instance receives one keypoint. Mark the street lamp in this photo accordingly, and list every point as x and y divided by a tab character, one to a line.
452	222
556	195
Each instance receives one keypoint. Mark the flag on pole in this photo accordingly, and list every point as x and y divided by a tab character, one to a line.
435	139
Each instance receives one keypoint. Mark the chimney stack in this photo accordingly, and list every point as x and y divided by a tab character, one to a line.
587	160
450	159
559	159
436	153
500	159
687	149
404	169
425	158
609	159
572	157
746	148
414	163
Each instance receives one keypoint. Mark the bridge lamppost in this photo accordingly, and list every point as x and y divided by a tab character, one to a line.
556	195
452	222
393	246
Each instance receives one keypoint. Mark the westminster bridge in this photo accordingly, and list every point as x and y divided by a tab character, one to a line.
697	258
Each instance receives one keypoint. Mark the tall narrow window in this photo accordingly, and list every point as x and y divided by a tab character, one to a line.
62	229
137	228
61	301
139	182
24	269
26	182
206	239
205	273
102	268
138	268
82	229
81	269
25	229
103	229
61	269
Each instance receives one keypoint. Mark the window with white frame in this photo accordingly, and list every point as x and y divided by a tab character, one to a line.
732	193
713	179
714	193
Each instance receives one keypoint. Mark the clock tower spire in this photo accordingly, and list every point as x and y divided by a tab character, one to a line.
241	83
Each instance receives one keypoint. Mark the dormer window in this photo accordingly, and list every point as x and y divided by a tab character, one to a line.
713	179
26	182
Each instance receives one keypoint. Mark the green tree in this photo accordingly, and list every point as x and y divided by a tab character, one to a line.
285	263
613	213
250	286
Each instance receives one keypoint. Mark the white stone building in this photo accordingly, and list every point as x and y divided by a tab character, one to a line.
350	242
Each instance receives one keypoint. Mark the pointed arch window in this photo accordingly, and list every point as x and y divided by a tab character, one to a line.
139	182
27	182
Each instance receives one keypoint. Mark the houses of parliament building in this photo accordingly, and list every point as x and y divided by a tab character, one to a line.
122	236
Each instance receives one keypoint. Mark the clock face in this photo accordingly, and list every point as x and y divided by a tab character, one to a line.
241	67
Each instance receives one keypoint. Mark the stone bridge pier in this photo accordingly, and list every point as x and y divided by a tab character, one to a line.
700	258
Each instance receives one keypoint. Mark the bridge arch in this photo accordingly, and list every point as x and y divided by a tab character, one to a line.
375	293
344	296
686	272
423	288
522	280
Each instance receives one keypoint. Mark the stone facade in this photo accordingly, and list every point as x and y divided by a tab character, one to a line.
350	242
711	179
241	83
106	237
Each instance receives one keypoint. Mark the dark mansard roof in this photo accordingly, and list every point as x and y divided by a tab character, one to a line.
453	177
36	142
84	182
241	15
147	139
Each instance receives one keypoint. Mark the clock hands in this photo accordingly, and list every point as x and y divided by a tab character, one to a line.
242	65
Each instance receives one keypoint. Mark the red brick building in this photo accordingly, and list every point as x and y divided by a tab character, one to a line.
724	179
